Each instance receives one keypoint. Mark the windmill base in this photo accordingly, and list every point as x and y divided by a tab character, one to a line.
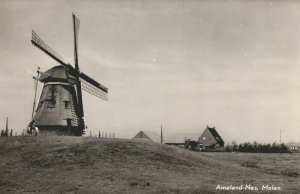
59	131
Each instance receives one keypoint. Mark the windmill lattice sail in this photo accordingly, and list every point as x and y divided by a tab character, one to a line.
38	42
86	86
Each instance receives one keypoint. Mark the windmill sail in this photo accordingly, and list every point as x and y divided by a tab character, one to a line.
76	24
38	42
77	71
89	85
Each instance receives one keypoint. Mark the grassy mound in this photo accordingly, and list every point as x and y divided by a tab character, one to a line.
93	165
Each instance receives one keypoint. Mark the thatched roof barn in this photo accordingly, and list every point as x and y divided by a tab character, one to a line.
147	136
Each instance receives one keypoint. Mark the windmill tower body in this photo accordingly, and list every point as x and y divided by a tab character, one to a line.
57	111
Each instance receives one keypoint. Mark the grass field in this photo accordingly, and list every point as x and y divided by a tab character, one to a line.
93	165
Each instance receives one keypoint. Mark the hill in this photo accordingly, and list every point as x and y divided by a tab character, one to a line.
93	165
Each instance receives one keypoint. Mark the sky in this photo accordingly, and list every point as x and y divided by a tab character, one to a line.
184	65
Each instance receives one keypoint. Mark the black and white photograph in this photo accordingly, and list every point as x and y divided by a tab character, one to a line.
149	96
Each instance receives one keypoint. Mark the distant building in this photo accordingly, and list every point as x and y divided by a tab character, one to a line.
183	137
184	140
293	146
210	138
147	136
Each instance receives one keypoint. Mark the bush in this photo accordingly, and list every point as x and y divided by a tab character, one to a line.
256	147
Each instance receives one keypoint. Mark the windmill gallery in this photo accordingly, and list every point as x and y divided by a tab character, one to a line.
60	107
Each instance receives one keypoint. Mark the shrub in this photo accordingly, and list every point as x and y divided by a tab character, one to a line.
256	147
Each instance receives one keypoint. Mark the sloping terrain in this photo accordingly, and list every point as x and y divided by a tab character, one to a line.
94	165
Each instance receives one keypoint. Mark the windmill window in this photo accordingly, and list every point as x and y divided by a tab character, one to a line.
50	105
53	89
67	104
203	138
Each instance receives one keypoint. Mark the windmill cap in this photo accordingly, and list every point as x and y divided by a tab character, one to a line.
57	73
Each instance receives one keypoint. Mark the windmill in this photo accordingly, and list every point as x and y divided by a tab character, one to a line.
60	108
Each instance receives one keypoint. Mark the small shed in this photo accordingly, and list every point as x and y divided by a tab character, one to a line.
210	138
147	136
